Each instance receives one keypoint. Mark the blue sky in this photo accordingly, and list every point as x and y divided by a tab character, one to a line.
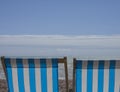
63	17
85	29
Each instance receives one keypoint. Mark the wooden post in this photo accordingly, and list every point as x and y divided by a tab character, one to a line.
74	70
66	73
3	65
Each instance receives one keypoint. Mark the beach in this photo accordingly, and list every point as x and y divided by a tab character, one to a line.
4	88
3	85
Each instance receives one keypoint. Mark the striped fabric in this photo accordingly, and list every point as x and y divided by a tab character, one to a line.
32	75
97	76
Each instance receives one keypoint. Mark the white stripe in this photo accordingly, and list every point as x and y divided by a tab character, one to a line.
95	76
84	76
117	76
37	75
14	75
49	75
106	76
26	75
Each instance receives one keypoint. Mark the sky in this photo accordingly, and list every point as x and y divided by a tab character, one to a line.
86	29
63	17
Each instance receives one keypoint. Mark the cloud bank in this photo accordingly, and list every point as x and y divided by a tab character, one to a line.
89	46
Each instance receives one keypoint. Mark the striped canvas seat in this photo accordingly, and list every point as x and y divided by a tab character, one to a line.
32	75
96	76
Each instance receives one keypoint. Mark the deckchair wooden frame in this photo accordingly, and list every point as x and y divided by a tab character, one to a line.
74	70
60	60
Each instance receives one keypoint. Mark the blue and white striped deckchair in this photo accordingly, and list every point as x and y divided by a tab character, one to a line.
96	75
33	74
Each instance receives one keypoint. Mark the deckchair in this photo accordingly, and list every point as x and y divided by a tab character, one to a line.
33	74
96	75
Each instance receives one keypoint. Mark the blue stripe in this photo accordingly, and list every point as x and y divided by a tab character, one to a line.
20	75
32	75
43	75
9	75
100	76
112	76
78	76
55	75
89	76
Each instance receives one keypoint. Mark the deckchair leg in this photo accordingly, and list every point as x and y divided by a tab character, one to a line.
3	64
70	90
74	65
66	74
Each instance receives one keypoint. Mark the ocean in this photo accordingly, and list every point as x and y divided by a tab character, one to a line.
82	47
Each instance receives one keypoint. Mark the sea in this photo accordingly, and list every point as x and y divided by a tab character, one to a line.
100	47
